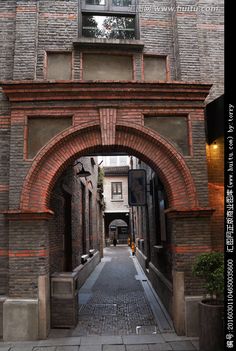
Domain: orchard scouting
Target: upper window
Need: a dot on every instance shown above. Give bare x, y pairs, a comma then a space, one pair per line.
95, 2
109, 19
116, 191
109, 27
110, 5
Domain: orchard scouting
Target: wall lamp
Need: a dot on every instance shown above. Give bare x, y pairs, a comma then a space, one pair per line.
215, 146
82, 173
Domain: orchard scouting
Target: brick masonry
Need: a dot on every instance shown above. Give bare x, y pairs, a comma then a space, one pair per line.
30, 29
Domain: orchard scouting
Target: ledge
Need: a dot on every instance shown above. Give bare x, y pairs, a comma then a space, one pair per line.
189, 212
106, 91
21, 215
110, 44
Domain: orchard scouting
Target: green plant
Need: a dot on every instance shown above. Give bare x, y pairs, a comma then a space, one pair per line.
101, 175
210, 267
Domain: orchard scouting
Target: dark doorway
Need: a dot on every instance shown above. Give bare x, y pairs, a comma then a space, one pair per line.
83, 207
68, 234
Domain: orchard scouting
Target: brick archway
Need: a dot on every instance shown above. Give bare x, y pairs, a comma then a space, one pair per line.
79, 141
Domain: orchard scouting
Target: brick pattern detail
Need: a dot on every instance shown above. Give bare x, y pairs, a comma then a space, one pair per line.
187, 244
28, 258
108, 125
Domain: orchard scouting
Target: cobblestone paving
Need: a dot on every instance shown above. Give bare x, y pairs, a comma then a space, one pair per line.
114, 304
118, 303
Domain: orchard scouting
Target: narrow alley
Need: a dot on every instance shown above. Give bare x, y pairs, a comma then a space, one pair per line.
118, 311
113, 301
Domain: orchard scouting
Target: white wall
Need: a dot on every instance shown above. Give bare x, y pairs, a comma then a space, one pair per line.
116, 205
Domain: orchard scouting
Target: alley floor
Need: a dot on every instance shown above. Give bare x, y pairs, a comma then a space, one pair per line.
112, 301
118, 311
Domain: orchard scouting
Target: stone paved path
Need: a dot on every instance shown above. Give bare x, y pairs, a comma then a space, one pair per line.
116, 302
114, 308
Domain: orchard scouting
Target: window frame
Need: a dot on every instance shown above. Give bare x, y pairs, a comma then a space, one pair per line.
134, 30
109, 10
116, 193
108, 7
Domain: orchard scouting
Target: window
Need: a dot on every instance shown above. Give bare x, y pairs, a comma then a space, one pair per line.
108, 5
116, 191
95, 2
109, 27
109, 19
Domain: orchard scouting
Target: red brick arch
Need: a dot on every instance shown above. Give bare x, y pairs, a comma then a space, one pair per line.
80, 141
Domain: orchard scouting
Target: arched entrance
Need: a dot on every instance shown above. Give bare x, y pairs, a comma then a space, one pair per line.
141, 142
109, 218
117, 127
118, 229
78, 141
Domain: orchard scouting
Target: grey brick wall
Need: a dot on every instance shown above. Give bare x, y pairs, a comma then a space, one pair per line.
187, 36
23, 269
25, 39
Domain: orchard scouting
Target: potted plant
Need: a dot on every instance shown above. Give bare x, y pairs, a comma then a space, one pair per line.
210, 267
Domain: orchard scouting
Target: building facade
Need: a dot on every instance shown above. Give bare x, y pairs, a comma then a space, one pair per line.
85, 77
117, 212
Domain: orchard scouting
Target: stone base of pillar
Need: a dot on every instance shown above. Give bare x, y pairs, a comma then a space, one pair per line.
178, 302
2, 300
20, 319
192, 315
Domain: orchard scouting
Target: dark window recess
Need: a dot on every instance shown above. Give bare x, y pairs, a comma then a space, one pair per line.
173, 128
59, 66
109, 27
116, 191
107, 67
43, 129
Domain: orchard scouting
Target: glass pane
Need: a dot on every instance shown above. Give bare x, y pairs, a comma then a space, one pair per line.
124, 3
95, 2
110, 27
